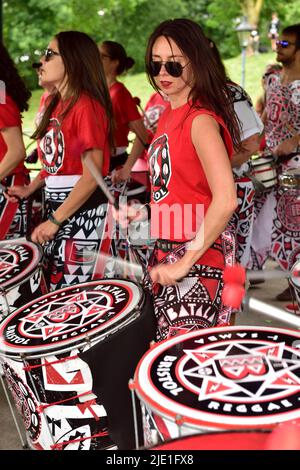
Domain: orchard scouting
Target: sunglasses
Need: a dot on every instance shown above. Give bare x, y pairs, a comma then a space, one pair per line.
174, 69
50, 53
285, 44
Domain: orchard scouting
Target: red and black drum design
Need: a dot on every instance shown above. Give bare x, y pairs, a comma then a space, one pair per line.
218, 379
43, 347
21, 277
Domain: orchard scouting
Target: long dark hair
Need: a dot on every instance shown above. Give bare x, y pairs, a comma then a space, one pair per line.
117, 52
14, 85
84, 69
209, 86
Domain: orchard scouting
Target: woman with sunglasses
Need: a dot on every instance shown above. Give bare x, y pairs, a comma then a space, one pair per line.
193, 192
14, 98
76, 126
126, 114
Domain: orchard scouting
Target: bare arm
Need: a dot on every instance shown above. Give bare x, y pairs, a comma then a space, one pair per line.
15, 150
137, 149
250, 147
82, 190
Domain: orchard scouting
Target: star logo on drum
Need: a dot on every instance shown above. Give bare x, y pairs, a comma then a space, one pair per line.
239, 372
6, 264
66, 315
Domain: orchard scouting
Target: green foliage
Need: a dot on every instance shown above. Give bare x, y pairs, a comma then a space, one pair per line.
30, 24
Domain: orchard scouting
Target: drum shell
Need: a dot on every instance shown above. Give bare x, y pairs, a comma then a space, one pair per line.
56, 408
228, 440
105, 371
264, 170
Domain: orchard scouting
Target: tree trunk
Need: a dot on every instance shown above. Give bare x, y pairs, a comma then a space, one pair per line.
252, 9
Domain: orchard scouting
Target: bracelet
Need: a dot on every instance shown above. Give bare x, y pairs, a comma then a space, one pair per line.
53, 219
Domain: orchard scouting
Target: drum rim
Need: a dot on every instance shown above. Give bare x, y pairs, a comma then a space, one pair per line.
71, 343
21, 278
208, 420
216, 434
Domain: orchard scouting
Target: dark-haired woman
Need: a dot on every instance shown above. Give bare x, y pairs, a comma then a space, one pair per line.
193, 192
77, 125
14, 98
126, 114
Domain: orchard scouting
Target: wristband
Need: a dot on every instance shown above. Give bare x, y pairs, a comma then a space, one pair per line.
53, 219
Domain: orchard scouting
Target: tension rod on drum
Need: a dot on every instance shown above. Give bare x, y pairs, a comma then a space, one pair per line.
132, 391
23, 443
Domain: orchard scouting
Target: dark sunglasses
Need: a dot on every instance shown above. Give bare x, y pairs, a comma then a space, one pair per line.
285, 44
50, 53
174, 69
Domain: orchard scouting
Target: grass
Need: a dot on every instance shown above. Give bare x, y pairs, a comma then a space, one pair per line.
139, 85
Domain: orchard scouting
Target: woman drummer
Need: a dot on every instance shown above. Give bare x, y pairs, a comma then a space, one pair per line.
126, 115
76, 126
14, 100
193, 192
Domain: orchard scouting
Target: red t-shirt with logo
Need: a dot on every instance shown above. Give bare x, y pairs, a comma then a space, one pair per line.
9, 117
125, 110
178, 179
153, 110
84, 127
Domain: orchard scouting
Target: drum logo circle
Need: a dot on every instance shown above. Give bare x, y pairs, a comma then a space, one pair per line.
71, 313
245, 377
288, 211
14, 259
25, 402
67, 315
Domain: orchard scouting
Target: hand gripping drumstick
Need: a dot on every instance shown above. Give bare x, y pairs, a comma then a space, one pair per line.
135, 268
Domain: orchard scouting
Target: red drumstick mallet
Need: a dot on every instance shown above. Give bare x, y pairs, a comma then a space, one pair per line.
234, 278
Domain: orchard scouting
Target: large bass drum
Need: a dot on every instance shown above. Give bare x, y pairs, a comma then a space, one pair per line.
217, 379
67, 359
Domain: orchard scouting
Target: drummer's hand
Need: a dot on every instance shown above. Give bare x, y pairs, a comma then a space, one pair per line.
121, 174
14, 193
169, 274
44, 232
286, 147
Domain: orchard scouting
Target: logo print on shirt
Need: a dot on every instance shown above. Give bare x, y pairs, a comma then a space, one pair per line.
160, 167
53, 148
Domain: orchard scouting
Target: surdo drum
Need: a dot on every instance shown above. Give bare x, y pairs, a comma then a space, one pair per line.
21, 277
264, 170
217, 379
61, 362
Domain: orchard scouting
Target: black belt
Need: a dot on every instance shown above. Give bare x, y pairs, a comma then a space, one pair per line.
167, 245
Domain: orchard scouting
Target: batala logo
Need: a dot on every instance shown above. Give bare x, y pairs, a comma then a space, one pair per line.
240, 374
65, 315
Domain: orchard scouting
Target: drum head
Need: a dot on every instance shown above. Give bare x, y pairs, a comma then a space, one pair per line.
18, 260
238, 377
70, 317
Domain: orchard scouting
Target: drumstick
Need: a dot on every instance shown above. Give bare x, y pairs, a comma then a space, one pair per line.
135, 268
237, 274
272, 311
